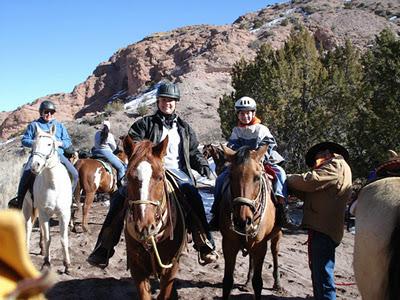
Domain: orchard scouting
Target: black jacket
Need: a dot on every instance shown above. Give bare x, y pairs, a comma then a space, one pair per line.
151, 128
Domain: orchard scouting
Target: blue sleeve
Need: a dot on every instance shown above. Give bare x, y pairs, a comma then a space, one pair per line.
64, 137
29, 135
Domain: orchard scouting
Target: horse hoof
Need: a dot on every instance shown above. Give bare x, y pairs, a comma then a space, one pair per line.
46, 265
277, 288
66, 270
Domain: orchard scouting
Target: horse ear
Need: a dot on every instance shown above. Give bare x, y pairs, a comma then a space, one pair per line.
261, 152
228, 152
53, 129
38, 129
127, 144
161, 149
393, 154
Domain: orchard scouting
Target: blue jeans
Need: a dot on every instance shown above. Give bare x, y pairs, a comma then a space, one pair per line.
71, 170
280, 186
218, 190
114, 161
321, 256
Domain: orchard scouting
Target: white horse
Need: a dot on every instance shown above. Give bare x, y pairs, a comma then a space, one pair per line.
377, 240
52, 193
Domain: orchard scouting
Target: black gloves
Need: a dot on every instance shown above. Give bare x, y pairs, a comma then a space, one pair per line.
205, 171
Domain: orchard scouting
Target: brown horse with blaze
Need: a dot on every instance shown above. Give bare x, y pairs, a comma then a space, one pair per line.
155, 230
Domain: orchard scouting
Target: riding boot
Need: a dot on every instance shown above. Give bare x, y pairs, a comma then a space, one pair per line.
25, 184
198, 225
283, 219
110, 232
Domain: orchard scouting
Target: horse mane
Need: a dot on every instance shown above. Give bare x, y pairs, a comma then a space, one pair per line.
242, 155
140, 151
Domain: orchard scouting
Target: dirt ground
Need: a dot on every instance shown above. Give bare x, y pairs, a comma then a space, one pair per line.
194, 281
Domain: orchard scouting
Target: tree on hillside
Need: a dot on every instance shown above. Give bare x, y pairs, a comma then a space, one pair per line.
378, 128
302, 95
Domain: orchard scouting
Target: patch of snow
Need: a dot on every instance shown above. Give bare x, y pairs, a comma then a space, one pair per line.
147, 98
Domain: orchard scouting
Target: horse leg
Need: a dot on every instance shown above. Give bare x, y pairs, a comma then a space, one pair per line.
64, 220
257, 256
230, 253
45, 228
275, 241
143, 288
88, 203
27, 210
250, 272
75, 210
167, 290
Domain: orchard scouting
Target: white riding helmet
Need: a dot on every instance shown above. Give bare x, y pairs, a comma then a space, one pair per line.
245, 103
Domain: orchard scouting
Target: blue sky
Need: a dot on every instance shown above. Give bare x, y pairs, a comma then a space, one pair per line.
49, 46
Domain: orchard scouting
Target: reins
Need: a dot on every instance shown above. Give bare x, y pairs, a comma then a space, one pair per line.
163, 223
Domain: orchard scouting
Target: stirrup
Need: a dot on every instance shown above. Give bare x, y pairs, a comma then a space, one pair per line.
207, 258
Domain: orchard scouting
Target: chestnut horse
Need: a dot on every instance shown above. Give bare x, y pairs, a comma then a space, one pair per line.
377, 240
247, 217
93, 178
217, 154
155, 231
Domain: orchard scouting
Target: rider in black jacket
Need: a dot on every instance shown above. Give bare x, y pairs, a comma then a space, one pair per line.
182, 156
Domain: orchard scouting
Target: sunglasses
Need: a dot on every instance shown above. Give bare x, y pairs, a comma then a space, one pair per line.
46, 112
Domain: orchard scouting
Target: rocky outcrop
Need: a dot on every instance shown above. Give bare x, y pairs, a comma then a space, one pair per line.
200, 58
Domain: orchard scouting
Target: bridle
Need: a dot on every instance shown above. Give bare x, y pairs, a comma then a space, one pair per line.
164, 221
45, 157
257, 206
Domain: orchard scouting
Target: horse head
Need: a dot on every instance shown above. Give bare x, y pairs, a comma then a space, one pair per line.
247, 184
217, 154
43, 150
146, 193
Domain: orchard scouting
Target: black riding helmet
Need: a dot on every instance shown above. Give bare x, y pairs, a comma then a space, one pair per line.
169, 90
46, 105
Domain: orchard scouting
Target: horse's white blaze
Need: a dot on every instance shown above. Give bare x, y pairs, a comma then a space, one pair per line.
97, 177
144, 173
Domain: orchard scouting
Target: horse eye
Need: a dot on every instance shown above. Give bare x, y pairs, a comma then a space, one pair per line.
257, 178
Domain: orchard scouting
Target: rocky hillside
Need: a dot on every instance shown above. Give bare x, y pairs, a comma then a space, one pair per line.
199, 58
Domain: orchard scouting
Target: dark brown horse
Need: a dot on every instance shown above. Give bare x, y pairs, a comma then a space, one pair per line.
247, 217
94, 178
217, 154
155, 231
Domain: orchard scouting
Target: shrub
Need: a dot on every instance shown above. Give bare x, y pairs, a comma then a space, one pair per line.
142, 109
117, 105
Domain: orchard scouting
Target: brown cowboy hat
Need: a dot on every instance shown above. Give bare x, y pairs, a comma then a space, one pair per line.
331, 146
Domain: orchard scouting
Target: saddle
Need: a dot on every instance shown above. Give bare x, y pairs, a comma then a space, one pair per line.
390, 168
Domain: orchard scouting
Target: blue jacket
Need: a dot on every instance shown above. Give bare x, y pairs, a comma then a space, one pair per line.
61, 133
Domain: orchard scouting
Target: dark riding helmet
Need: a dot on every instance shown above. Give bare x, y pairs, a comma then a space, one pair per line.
46, 105
169, 90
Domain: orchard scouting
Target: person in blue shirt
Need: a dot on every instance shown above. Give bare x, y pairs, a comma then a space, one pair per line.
47, 109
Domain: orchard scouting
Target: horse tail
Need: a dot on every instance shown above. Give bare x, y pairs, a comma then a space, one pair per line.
394, 263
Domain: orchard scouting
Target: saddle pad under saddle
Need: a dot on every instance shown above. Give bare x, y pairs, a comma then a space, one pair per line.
106, 165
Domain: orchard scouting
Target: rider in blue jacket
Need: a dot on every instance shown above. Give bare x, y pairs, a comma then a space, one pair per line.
47, 110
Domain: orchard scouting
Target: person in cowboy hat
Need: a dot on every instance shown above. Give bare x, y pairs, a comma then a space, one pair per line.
325, 190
